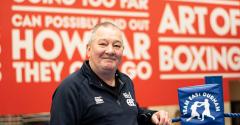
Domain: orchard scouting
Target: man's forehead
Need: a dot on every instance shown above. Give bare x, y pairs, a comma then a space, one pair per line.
109, 32
112, 33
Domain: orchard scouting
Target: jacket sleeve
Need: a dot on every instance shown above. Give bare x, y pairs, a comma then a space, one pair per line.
65, 109
144, 116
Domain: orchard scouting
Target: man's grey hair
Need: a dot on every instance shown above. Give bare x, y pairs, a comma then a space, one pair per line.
104, 24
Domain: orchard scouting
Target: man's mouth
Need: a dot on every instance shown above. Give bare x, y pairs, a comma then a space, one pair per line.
109, 58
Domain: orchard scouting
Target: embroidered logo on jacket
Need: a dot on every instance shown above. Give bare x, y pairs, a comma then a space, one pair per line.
98, 100
130, 100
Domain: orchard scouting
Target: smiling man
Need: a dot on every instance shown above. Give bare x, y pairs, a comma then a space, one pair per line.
98, 93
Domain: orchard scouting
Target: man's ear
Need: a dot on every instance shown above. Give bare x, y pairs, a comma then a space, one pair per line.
88, 48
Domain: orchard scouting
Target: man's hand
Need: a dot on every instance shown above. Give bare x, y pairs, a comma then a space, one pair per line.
161, 118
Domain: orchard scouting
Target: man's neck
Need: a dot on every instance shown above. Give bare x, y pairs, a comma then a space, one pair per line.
108, 77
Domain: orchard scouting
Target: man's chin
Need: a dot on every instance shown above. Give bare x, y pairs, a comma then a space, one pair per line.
109, 61
109, 68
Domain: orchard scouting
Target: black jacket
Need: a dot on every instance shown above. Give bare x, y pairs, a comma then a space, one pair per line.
81, 99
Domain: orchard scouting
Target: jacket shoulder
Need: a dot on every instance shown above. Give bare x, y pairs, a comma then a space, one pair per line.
71, 83
124, 76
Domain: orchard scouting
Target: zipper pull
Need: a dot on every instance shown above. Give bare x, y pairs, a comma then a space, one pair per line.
118, 102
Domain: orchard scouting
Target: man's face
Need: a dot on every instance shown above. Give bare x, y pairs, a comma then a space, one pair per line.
106, 49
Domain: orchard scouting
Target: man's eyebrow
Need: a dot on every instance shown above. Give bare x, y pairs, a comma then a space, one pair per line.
102, 39
117, 41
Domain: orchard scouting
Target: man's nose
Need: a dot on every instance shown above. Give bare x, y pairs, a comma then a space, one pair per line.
110, 49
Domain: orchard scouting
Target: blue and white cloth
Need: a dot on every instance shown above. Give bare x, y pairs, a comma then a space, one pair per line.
201, 105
